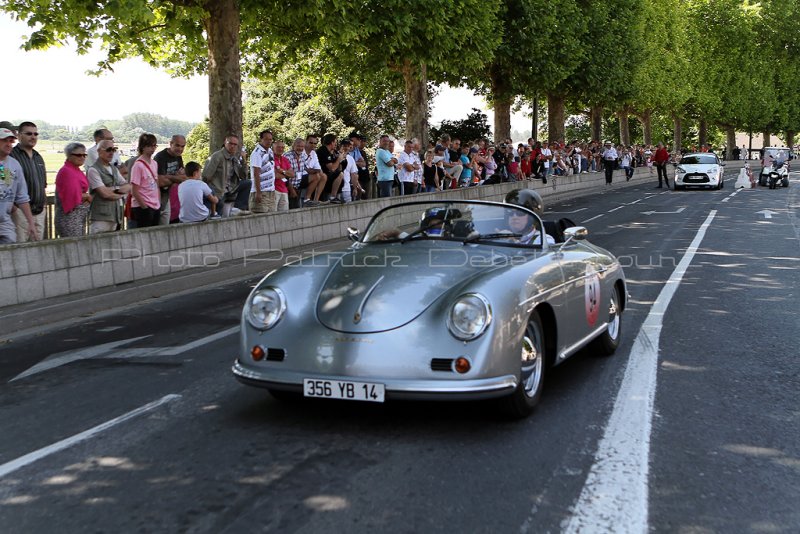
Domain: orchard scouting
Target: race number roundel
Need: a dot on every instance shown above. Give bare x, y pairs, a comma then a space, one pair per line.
592, 295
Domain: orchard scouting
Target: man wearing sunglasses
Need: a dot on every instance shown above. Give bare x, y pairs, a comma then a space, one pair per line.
91, 155
35, 178
108, 189
13, 191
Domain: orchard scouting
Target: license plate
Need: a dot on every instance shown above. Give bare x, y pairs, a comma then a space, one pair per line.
341, 389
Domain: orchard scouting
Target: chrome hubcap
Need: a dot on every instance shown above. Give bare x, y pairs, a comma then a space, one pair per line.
531, 374
613, 319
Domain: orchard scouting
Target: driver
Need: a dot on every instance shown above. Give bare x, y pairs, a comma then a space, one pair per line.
519, 222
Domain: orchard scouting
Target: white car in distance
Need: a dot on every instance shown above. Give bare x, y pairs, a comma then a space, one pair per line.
699, 169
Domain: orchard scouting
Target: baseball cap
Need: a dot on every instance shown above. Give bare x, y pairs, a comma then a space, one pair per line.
473, 150
6, 133
439, 148
9, 126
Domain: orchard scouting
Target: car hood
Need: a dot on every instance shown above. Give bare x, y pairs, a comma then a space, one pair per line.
382, 287
704, 168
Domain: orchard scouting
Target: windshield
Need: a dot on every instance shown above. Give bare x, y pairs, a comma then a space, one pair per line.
699, 159
502, 224
778, 154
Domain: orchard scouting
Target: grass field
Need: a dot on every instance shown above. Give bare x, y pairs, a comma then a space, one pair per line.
53, 154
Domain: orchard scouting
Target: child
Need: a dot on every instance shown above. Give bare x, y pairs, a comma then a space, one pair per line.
196, 197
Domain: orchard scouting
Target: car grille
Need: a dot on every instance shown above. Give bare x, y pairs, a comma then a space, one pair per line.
275, 355
696, 179
442, 364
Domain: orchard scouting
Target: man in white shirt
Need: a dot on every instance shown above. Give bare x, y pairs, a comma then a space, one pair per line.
91, 154
547, 157
408, 164
350, 177
262, 174
316, 178
610, 157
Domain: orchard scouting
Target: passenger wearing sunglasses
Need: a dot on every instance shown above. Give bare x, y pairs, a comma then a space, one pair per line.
109, 188
35, 178
72, 193
91, 155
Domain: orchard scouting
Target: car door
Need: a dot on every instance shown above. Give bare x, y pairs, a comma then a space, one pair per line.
584, 271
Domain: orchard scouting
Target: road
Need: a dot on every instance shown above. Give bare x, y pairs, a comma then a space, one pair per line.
720, 449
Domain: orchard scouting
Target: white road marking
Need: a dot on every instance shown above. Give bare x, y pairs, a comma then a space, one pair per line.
63, 358
13, 465
663, 212
112, 351
767, 213
615, 495
593, 218
109, 328
615, 209
172, 351
634, 202
731, 195
568, 212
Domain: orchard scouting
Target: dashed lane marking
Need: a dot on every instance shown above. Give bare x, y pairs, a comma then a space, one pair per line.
593, 218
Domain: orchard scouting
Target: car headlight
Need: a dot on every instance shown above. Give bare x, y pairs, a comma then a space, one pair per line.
680, 170
712, 170
469, 316
265, 307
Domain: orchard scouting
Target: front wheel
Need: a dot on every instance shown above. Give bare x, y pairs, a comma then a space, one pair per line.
532, 369
606, 343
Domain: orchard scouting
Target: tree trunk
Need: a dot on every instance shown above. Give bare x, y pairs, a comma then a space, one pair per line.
730, 141
702, 133
224, 73
766, 139
555, 117
647, 126
596, 120
790, 138
501, 102
535, 118
624, 128
416, 80
676, 137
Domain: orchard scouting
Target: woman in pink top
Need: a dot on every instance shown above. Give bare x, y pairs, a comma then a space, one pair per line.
146, 202
72, 193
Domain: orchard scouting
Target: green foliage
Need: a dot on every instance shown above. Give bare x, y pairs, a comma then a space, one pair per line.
197, 143
474, 127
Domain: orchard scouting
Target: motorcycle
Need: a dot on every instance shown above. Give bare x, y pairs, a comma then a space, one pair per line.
772, 175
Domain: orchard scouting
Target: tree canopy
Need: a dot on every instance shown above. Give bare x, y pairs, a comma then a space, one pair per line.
728, 64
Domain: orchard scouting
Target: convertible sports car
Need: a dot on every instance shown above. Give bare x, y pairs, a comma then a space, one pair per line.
437, 300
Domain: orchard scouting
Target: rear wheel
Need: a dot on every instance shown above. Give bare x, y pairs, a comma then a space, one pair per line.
532, 369
606, 343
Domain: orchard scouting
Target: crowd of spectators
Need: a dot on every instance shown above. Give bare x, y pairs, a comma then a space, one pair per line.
97, 192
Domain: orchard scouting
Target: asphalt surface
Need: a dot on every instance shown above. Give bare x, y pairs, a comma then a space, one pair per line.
217, 456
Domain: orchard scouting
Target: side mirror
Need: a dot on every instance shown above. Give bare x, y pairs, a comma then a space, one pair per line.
575, 233
353, 234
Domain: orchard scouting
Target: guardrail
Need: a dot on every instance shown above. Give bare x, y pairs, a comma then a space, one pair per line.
33, 271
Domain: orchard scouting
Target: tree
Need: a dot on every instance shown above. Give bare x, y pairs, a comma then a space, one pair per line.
474, 127
413, 41
185, 37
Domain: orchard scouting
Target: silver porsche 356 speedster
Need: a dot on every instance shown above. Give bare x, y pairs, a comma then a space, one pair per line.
436, 300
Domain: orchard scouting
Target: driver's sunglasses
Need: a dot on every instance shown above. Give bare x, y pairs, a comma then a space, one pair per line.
517, 214
110, 149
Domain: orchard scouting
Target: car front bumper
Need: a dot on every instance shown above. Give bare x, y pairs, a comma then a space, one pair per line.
697, 180
408, 389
